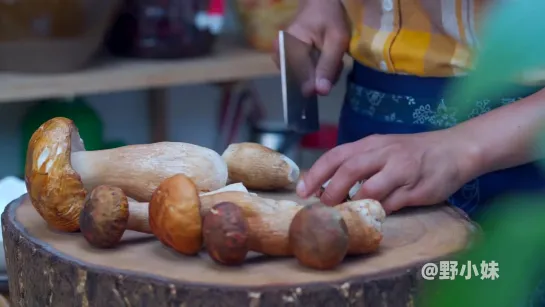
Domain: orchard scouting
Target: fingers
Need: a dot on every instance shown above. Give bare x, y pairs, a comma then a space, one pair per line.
323, 169
327, 70
419, 193
396, 200
382, 184
378, 187
340, 70
349, 172
307, 88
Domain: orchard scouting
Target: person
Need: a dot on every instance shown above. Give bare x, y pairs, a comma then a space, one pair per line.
397, 133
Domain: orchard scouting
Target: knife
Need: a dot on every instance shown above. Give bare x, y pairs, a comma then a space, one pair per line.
298, 69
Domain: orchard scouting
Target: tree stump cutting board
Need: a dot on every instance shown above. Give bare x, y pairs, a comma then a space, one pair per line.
49, 268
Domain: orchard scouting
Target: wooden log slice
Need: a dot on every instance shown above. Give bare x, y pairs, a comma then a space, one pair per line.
48, 268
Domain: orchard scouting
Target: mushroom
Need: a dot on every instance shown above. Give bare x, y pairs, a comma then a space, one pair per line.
59, 171
259, 167
174, 215
225, 232
318, 236
269, 221
108, 212
106, 215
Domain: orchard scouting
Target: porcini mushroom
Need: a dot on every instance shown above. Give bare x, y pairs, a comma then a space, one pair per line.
318, 236
108, 212
225, 233
59, 171
106, 215
259, 167
269, 221
174, 215
364, 219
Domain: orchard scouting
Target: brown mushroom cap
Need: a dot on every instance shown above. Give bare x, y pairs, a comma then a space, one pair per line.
174, 214
318, 236
105, 216
55, 189
226, 234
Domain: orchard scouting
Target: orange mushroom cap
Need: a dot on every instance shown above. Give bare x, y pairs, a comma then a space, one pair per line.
55, 189
174, 215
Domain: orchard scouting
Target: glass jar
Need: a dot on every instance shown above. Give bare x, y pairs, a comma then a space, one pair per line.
262, 19
163, 29
33, 19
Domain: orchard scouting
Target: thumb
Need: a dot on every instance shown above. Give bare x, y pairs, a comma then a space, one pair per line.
329, 62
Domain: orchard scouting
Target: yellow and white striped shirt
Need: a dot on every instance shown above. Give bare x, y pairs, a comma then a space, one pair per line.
417, 37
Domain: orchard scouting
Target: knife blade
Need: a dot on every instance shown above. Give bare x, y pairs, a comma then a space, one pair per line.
298, 69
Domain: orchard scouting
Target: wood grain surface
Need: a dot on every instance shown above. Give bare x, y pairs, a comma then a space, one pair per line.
48, 268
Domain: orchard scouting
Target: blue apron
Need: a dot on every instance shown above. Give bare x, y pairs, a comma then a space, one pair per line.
380, 103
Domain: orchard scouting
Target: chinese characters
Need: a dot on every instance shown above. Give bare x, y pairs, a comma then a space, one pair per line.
450, 270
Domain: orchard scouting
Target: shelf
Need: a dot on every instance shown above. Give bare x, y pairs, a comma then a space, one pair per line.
228, 62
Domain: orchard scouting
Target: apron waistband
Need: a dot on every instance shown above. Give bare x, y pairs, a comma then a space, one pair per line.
410, 85
407, 85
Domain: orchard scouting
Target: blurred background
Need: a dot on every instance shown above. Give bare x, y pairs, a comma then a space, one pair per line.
46, 44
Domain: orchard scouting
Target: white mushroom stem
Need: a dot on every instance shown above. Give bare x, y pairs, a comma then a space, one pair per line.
138, 217
139, 169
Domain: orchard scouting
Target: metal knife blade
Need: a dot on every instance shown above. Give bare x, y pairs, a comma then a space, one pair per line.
298, 68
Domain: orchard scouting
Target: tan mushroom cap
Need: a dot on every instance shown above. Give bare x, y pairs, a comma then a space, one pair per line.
259, 167
55, 189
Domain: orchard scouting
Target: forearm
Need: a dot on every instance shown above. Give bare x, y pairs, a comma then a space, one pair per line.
506, 136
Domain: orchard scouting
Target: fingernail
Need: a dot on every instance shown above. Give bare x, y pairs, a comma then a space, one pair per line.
323, 85
301, 190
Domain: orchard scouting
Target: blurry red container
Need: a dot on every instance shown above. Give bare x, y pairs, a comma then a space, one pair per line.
314, 145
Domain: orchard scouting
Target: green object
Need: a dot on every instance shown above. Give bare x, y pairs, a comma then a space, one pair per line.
86, 119
511, 44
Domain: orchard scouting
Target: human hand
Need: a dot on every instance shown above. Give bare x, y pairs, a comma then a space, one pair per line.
322, 23
399, 170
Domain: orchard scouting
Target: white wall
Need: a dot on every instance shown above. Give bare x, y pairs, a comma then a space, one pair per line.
192, 115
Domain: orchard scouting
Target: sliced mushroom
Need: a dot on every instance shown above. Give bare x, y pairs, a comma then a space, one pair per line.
59, 171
